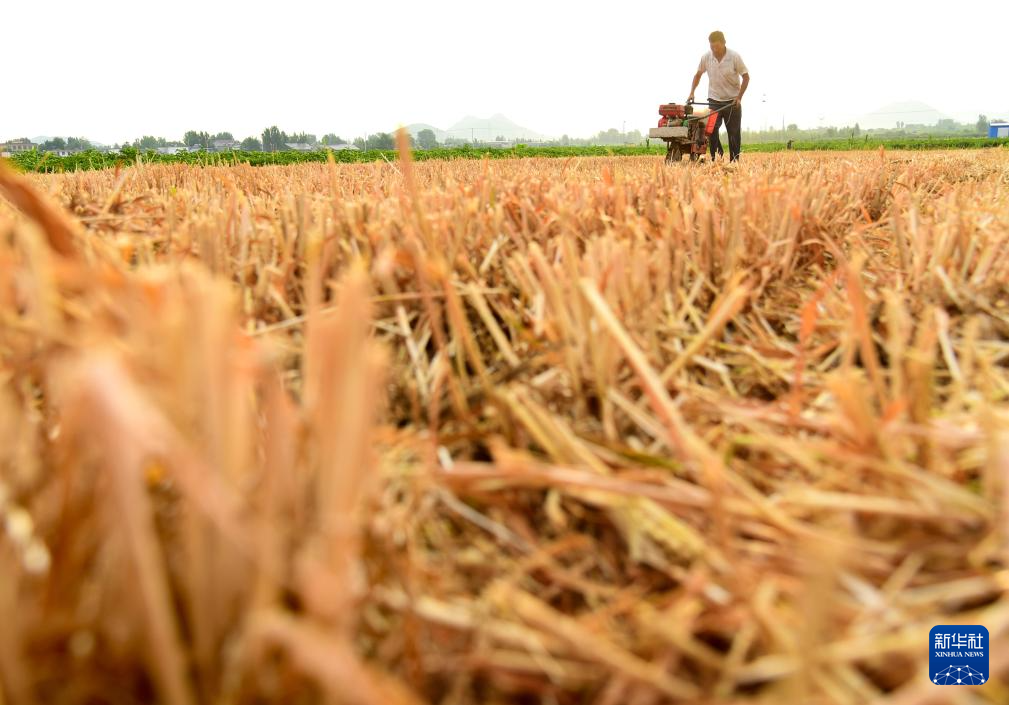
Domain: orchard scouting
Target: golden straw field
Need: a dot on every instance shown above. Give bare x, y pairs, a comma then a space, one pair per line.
593, 430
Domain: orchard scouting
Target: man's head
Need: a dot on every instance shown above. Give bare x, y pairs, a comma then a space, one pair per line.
716, 40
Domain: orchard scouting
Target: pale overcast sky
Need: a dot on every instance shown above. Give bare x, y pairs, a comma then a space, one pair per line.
113, 70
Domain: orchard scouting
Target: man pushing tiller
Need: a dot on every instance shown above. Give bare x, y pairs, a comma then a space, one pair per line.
725, 93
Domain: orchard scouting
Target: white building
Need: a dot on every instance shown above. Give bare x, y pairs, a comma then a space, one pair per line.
998, 129
225, 145
14, 146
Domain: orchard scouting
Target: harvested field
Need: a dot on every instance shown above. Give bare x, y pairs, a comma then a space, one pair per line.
590, 430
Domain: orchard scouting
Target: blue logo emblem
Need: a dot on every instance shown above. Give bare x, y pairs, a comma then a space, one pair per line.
958, 655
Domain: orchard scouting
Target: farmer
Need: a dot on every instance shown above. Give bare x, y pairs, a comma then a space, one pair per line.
725, 94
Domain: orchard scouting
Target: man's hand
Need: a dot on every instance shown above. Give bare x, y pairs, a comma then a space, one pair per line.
742, 89
693, 86
737, 101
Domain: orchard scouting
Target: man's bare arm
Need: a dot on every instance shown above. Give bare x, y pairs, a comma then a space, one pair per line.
742, 88
693, 86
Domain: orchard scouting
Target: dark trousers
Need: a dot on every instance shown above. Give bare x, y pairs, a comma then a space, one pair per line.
732, 116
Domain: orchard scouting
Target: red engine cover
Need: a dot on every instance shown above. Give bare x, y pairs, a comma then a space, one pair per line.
710, 127
672, 110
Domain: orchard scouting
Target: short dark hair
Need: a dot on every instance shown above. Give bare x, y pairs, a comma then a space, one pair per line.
716, 36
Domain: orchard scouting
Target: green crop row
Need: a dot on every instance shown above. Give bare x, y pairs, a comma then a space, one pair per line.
83, 161
871, 144
34, 161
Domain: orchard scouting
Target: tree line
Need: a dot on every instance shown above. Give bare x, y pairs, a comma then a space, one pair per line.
74, 143
942, 128
273, 139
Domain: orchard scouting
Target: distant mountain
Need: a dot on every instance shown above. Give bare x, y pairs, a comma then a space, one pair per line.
487, 129
480, 129
908, 112
416, 127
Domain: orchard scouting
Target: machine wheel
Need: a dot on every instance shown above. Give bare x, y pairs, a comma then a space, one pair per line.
673, 153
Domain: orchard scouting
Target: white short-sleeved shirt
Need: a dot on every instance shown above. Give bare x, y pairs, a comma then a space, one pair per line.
723, 76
